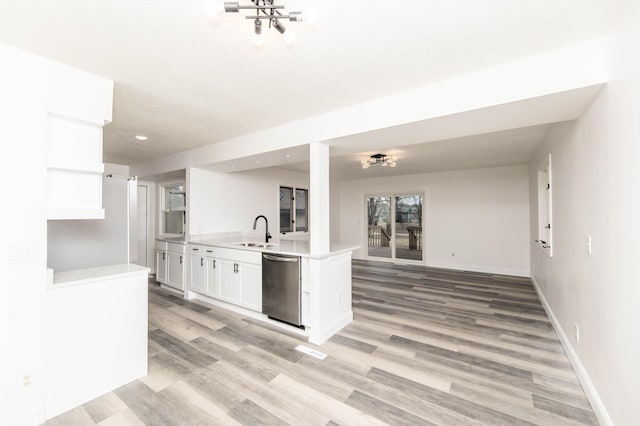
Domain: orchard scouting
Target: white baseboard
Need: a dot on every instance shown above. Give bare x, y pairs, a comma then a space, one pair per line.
318, 337
592, 394
478, 268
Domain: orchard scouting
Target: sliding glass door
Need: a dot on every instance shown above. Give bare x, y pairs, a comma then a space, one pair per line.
394, 226
379, 226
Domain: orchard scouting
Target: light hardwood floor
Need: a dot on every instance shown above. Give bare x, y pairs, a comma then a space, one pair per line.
427, 346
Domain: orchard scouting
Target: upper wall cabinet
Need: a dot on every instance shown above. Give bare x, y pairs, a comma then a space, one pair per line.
78, 105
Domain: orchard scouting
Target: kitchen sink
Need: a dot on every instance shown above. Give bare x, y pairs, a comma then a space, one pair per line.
260, 245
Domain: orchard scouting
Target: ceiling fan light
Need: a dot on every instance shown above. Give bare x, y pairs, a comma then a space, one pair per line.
257, 26
295, 16
366, 165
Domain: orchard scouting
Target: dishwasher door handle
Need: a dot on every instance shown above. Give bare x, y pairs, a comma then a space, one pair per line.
280, 259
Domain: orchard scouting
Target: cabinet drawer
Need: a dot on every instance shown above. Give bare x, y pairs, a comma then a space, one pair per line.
161, 245
246, 256
196, 249
175, 247
200, 250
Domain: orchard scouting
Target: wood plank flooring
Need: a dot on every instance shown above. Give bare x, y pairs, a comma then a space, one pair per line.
427, 346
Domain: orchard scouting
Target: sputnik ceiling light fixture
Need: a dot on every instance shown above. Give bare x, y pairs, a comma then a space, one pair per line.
265, 10
378, 160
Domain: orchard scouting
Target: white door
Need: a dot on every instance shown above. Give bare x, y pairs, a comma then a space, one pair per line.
142, 226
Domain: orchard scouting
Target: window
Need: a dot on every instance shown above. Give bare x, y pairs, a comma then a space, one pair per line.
173, 209
544, 206
294, 210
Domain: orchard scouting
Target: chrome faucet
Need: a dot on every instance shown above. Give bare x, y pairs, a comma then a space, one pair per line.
267, 235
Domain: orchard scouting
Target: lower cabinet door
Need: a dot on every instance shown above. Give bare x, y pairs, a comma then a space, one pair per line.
228, 283
161, 266
213, 280
175, 270
197, 273
250, 286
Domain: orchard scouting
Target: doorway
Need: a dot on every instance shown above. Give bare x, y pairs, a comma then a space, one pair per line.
394, 226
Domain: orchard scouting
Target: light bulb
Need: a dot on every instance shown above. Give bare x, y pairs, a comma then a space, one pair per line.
258, 40
289, 37
311, 16
213, 9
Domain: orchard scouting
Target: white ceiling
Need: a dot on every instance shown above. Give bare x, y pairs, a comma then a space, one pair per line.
186, 83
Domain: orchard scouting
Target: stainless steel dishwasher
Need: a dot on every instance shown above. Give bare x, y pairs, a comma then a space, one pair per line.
281, 294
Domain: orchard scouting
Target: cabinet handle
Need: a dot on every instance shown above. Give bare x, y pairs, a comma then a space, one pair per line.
202, 261
195, 249
214, 264
181, 260
164, 254
209, 251
235, 268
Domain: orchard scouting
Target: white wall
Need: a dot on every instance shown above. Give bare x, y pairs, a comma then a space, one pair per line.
481, 215
79, 244
596, 182
229, 202
23, 247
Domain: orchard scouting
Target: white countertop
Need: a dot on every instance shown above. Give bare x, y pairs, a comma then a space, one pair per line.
287, 247
178, 240
100, 273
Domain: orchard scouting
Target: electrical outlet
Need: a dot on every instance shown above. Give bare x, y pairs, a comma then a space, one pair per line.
26, 380
576, 332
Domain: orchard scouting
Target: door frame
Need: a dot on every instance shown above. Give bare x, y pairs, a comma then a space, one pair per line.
392, 242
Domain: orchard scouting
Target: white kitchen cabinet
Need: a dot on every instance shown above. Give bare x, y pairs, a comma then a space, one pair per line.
213, 277
80, 104
197, 273
249, 277
161, 266
234, 276
229, 290
170, 264
240, 277
175, 270
202, 270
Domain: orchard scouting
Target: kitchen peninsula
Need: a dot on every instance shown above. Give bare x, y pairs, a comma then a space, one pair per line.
227, 272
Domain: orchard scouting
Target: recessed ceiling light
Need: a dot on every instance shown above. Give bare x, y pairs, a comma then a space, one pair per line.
287, 156
257, 161
141, 137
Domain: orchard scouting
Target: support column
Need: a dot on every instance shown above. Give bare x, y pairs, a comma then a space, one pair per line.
319, 226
